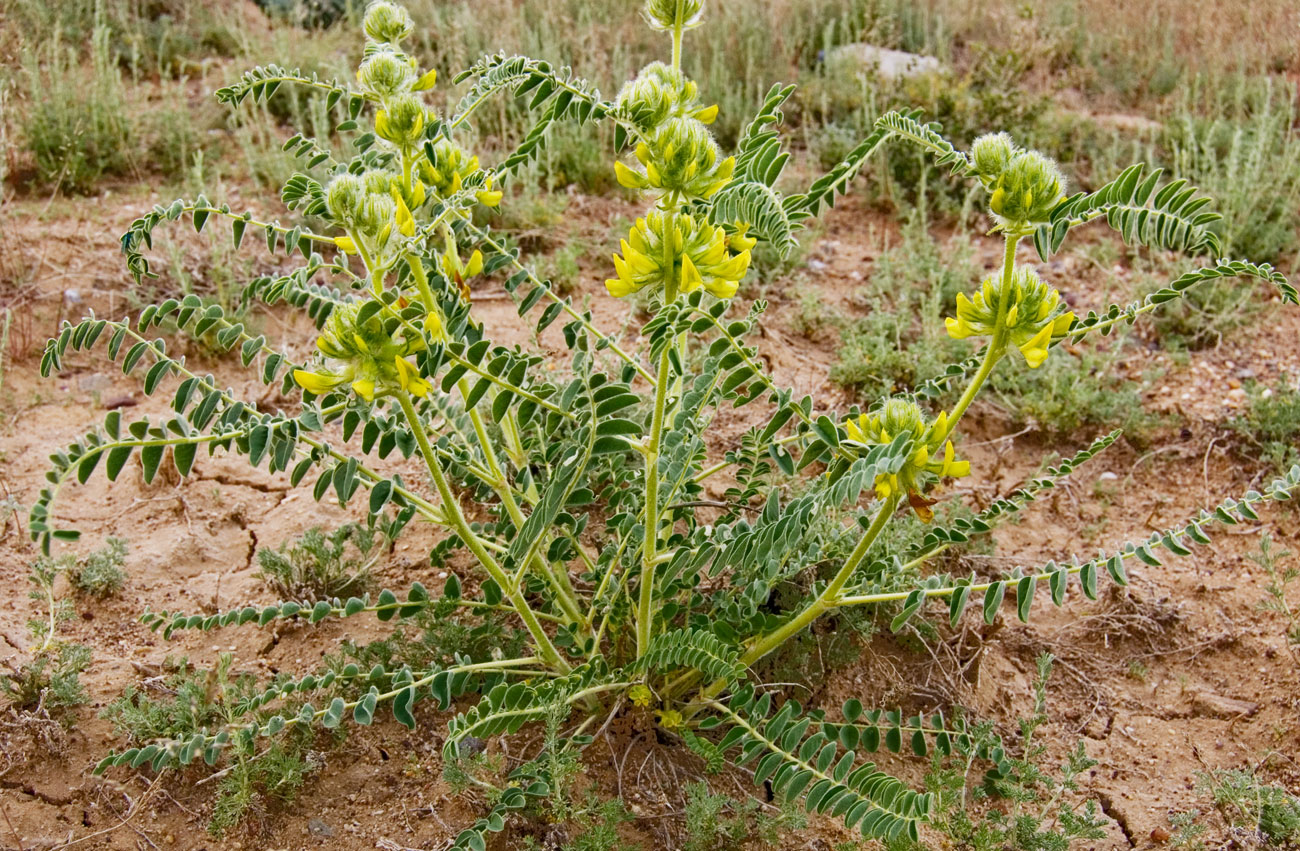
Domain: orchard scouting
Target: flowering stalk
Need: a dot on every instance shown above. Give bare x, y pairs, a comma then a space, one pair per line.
997, 346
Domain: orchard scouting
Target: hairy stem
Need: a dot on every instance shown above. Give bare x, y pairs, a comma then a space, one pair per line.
644, 613
558, 580
451, 508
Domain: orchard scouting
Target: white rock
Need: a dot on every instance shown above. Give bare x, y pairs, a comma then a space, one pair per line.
887, 64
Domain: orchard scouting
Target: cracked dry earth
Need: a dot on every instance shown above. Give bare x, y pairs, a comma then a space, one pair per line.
1179, 673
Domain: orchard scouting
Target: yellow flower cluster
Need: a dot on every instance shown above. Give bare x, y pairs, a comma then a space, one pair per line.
363, 355
659, 93
679, 159
1032, 313
696, 250
932, 452
448, 169
375, 212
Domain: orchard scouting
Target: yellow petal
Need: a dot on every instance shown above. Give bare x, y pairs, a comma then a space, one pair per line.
365, 389
428, 81
690, 275
489, 199
314, 382
475, 265
707, 114
957, 329
721, 287
345, 244
627, 177
619, 288
1035, 350
855, 432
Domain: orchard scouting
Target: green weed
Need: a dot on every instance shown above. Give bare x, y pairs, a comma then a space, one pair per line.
320, 565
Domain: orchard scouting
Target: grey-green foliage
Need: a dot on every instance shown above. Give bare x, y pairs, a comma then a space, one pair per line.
76, 132
564, 465
101, 573
318, 564
51, 679
1269, 426
1040, 807
1270, 814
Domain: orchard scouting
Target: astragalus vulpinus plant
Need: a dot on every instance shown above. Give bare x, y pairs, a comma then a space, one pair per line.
570, 492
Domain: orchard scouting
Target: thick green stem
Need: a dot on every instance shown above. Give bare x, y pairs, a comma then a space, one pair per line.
451, 508
828, 599
557, 579
678, 28
644, 610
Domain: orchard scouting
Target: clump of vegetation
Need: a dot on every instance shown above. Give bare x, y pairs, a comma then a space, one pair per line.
318, 565
1270, 425
76, 132
1254, 813
182, 702
900, 340
569, 491
100, 574
51, 679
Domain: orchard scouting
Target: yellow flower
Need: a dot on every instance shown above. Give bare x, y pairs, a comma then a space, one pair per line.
697, 251
680, 157
1033, 313
640, 695
904, 416
671, 719
426, 82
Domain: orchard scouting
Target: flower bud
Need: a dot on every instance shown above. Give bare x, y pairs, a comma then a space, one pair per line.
991, 153
658, 93
666, 14
1027, 189
697, 250
1031, 310
402, 122
386, 74
681, 157
343, 198
388, 23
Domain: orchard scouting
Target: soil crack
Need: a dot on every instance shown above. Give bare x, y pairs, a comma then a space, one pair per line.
1108, 807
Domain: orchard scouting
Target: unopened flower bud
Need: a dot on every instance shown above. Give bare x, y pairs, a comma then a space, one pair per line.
388, 23
668, 14
386, 74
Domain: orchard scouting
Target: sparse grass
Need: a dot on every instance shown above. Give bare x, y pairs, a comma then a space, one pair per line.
1074, 390
900, 341
1281, 573
76, 132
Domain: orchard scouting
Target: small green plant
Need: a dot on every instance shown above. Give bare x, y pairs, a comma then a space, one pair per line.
101, 574
1270, 814
1279, 580
568, 488
1269, 428
51, 678
1042, 811
317, 564
715, 821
